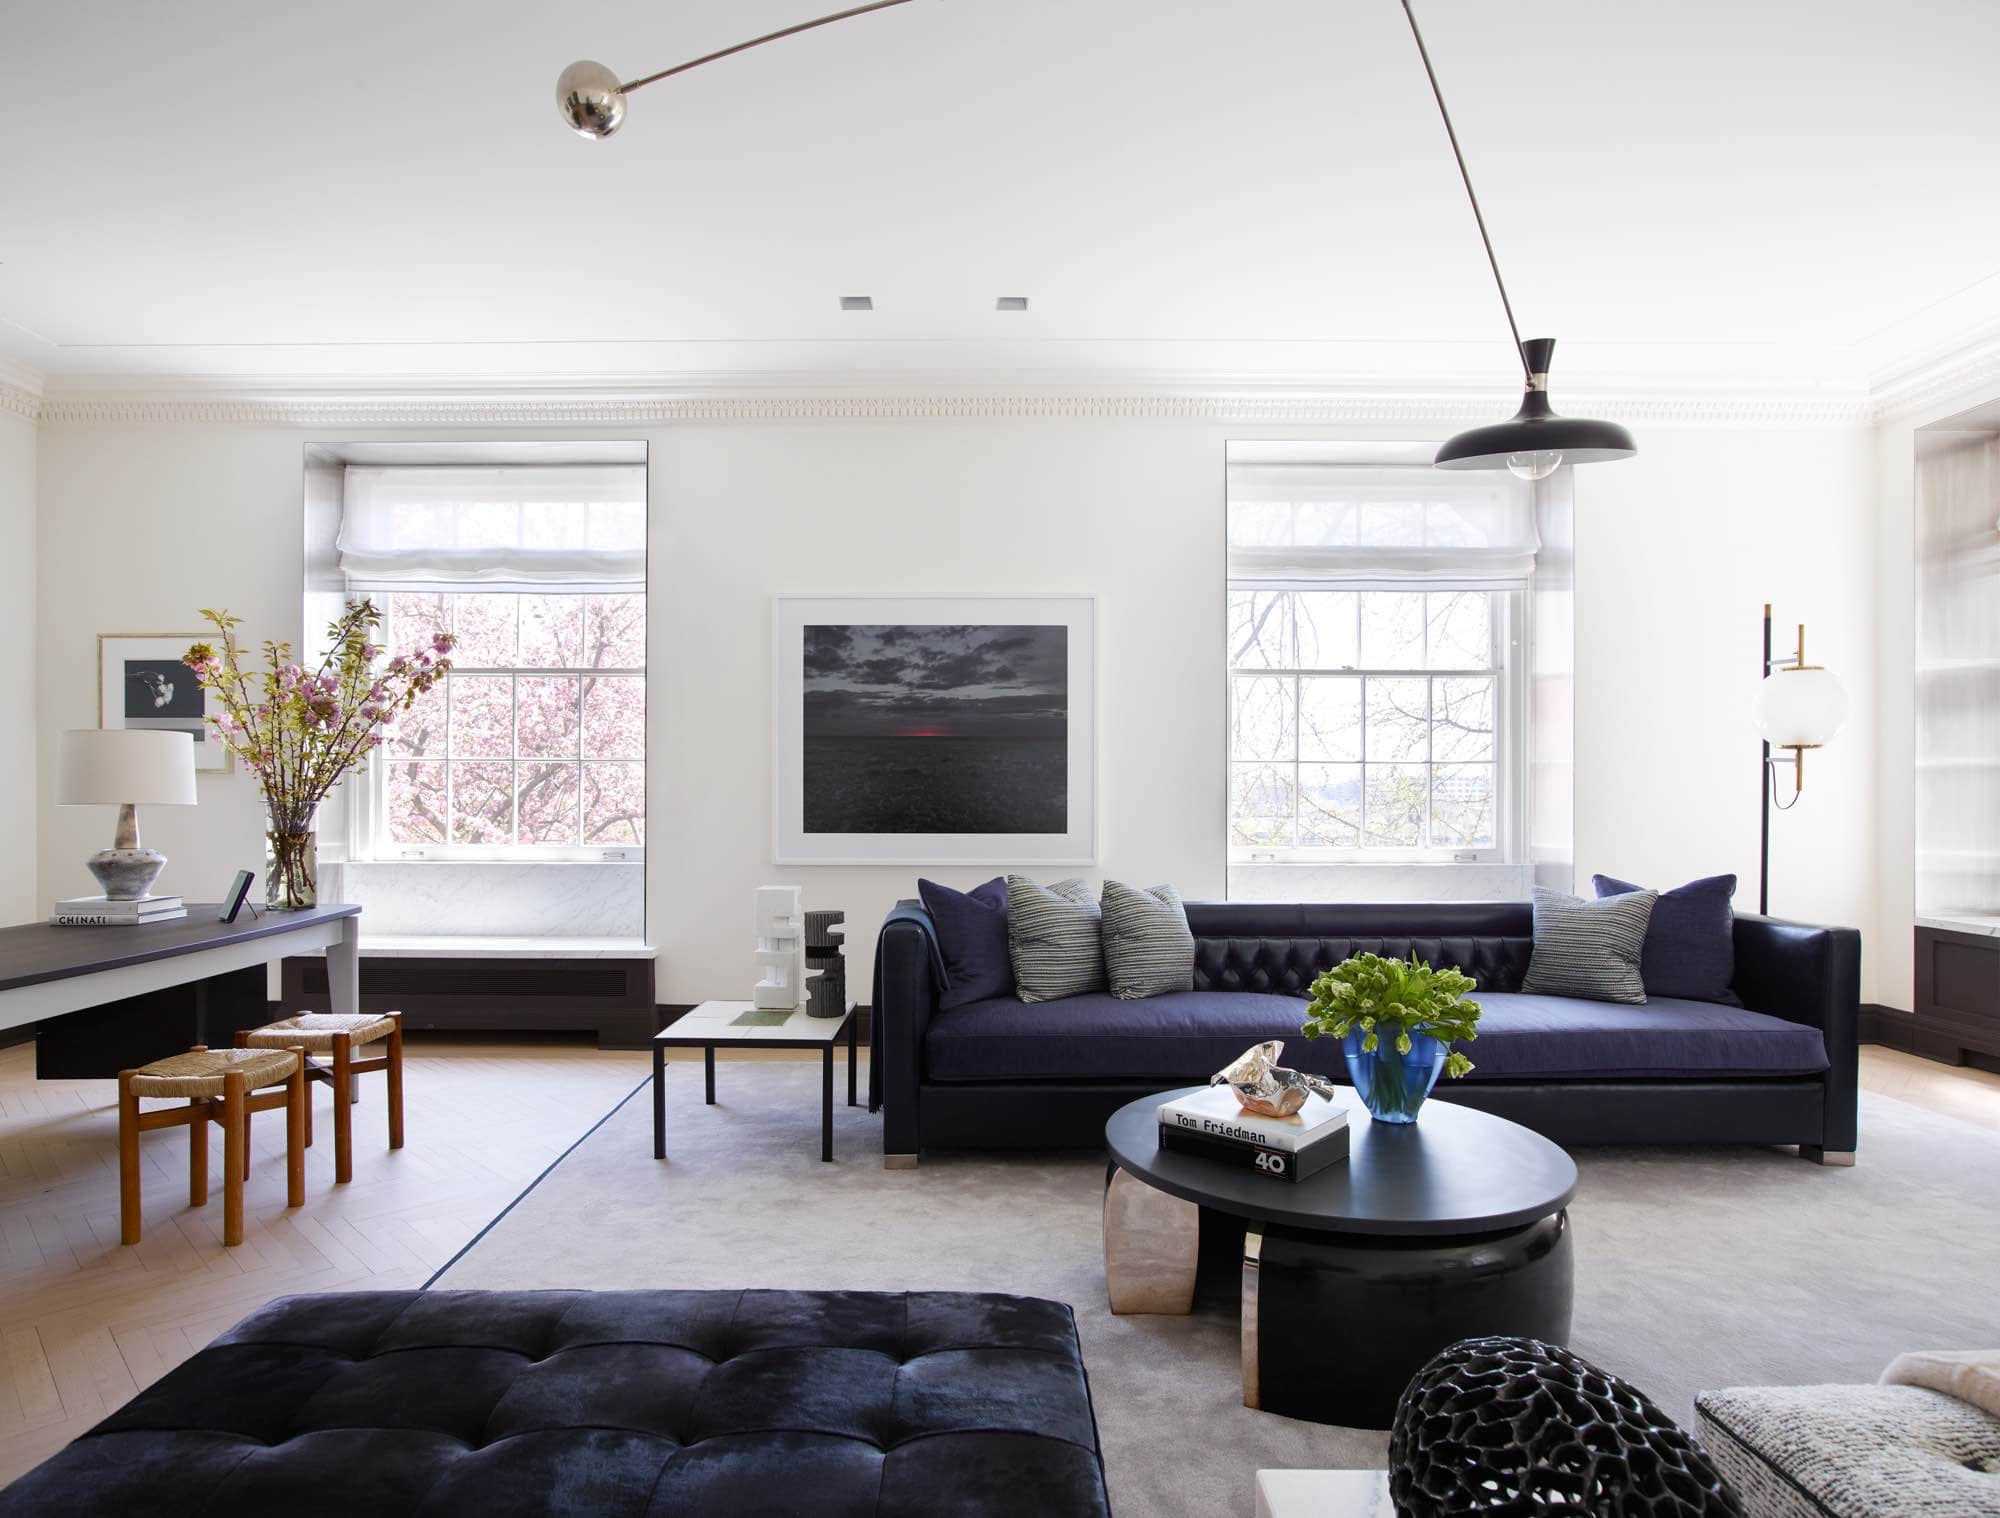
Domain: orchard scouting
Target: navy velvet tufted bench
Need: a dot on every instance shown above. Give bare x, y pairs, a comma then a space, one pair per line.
616, 1402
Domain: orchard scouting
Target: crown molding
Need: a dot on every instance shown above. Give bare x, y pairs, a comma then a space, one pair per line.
719, 399
20, 400
1963, 374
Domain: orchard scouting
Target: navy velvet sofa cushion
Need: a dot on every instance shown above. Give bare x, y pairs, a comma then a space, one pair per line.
1185, 1036
971, 930
836, 1404
1690, 949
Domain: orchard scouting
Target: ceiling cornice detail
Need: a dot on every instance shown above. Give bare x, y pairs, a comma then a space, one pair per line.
828, 402
21, 401
1967, 371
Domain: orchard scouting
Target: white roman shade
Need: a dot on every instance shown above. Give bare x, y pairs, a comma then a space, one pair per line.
1380, 523
501, 527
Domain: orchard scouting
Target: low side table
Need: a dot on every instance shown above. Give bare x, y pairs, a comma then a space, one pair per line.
743, 1024
1324, 1494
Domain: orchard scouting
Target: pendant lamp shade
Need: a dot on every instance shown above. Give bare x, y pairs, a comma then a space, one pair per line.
1535, 441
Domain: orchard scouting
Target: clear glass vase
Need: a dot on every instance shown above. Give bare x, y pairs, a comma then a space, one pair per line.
291, 864
1393, 1086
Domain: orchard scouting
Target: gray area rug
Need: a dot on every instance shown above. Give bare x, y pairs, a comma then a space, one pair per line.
1695, 1268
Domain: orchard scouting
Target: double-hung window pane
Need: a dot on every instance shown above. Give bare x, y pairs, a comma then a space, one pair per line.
1363, 720
537, 737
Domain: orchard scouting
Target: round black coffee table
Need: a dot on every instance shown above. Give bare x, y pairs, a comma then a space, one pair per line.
1445, 1229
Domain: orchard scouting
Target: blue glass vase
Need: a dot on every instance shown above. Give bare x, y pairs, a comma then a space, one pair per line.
1393, 1086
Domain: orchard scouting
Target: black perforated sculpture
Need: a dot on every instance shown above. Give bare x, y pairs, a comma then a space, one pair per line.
1519, 1427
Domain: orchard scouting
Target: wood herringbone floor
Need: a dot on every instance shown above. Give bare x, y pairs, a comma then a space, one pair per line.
85, 1323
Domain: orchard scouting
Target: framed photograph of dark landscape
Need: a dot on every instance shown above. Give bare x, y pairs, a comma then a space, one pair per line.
934, 730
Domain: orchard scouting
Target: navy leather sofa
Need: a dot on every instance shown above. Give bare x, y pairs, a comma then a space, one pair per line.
1780, 1069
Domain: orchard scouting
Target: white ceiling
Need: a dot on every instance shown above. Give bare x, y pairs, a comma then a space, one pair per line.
1790, 192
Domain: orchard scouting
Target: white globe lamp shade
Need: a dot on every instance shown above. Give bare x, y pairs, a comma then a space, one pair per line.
1799, 708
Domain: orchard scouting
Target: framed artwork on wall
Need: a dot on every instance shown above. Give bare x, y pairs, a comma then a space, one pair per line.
141, 682
934, 730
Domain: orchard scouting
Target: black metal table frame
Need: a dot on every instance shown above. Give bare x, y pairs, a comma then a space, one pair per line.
667, 1040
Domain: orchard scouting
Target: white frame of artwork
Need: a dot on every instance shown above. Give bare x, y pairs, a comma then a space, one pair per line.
113, 649
791, 844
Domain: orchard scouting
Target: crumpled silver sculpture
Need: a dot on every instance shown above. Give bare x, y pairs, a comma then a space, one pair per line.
1266, 1087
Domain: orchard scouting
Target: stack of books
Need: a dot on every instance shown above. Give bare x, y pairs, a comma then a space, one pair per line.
102, 911
1213, 1124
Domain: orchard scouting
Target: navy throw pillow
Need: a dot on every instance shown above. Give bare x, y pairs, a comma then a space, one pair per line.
1690, 948
972, 937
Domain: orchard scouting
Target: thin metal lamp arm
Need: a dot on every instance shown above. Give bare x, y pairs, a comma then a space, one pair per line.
790, 31
1465, 176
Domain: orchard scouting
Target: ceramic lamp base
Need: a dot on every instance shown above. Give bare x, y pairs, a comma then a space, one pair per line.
126, 874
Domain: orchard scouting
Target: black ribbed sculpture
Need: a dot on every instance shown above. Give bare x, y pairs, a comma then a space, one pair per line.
1519, 1427
826, 992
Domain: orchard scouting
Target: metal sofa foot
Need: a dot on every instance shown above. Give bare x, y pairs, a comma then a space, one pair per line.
899, 1162
1821, 1156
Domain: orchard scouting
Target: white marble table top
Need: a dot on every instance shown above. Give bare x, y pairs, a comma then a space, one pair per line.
716, 1021
1324, 1494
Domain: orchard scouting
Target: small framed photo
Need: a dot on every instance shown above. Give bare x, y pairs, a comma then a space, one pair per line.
934, 729
141, 682
239, 890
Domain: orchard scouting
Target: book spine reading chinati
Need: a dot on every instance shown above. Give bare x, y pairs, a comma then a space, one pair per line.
1279, 1164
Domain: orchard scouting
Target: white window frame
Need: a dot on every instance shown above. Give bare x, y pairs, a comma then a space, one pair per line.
371, 842
1512, 608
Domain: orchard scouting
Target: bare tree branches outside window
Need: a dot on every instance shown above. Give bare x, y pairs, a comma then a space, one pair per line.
1363, 720
542, 742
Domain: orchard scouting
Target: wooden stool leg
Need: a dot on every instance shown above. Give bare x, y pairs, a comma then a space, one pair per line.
198, 1152
309, 1104
295, 1131
233, 1150
247, 1114
343, 1116
128, 1160
396, 1082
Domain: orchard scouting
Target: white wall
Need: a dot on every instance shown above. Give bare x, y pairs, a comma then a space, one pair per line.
19, 899
1677, 551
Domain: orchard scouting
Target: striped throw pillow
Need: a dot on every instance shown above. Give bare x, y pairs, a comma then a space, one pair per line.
1054, 939
1589, 949
1148, 946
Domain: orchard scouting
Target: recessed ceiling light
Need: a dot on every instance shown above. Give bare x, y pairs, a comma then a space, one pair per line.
1011, 303
857, 303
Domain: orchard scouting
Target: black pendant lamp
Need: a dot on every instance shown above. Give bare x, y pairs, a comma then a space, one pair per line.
1535, 441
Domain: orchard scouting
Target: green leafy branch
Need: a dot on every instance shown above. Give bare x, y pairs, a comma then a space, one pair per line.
1395, 998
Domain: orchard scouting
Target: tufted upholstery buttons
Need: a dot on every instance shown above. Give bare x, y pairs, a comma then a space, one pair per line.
1287, 966
632, 1402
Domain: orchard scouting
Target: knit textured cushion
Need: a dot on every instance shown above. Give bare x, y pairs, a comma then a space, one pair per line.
200, 1073
1590, 949
315, 1031
1054, 937
1148, 948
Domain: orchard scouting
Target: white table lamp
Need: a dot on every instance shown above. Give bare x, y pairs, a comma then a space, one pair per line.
124, 767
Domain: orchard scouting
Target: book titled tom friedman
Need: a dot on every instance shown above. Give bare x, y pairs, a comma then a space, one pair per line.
1212, 1123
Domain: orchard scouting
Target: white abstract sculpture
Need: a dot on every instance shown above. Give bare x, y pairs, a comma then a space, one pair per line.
781, 948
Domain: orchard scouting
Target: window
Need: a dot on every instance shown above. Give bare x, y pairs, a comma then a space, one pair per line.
1380, 614
534, 746
1367, 723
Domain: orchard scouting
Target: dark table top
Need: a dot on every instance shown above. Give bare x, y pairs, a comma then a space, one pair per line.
1454, 1171
39, 951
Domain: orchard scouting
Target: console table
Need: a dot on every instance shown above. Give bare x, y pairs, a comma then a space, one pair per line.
106, 999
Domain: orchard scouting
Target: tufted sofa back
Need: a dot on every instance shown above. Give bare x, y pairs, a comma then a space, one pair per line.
1280, 946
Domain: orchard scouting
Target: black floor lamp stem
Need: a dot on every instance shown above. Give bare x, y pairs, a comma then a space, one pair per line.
1765, 782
